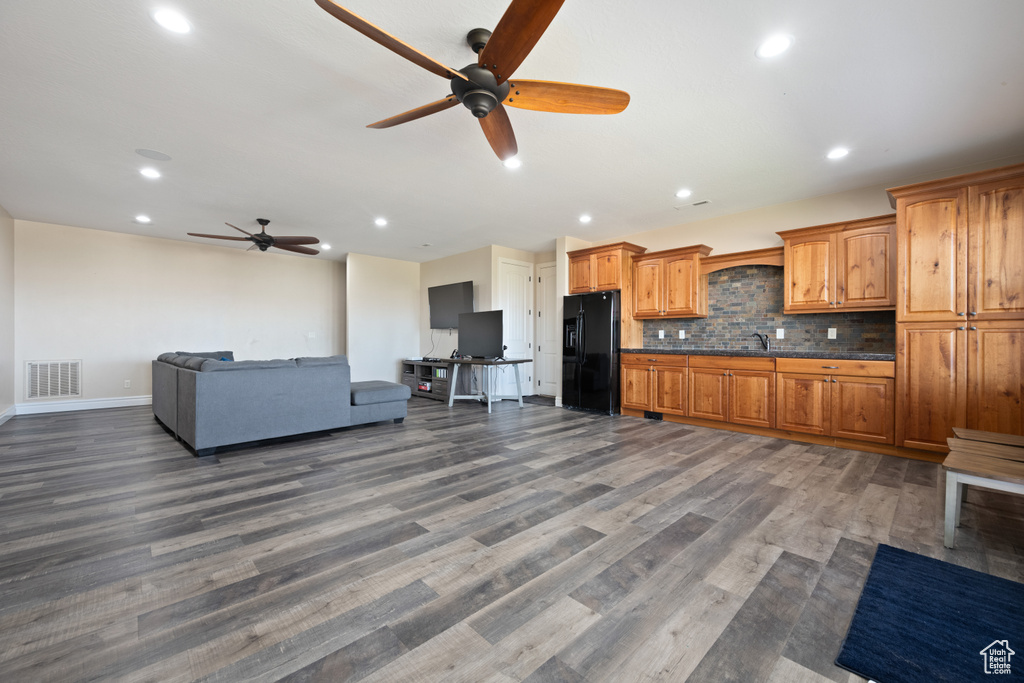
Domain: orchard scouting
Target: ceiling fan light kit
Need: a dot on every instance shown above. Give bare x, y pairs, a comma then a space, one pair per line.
483, 88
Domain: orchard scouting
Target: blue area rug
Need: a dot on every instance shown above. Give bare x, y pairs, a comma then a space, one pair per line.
924, 620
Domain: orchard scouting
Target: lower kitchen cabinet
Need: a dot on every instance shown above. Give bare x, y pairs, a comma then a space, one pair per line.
654, 383
843, 399
740, 390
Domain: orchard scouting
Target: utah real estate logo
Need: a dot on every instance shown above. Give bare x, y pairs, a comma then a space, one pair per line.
997, 657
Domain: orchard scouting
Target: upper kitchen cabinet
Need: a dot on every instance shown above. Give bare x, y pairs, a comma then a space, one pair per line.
845, 266
669, 284
961, 248
602, 268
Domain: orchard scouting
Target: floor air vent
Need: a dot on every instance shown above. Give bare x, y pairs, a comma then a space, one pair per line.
53, 379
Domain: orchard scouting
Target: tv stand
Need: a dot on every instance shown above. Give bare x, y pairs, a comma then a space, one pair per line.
435, 374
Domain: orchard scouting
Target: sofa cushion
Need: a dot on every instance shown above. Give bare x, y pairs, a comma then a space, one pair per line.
212, 365
193, 362
308, 361
167, 357
216, 355
378, 391
181, 361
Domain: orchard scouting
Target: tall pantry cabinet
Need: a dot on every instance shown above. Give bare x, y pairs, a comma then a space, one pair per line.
960, 306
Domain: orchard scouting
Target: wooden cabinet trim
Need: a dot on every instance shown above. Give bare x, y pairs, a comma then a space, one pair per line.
954, 182
604, 248
733, 363
825, 366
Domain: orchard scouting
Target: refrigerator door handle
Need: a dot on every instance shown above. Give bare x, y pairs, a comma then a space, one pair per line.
582, 335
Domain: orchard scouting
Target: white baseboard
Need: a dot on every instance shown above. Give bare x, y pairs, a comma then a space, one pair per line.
86, 404
7, 414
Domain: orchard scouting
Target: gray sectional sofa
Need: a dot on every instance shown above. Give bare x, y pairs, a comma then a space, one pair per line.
208, 399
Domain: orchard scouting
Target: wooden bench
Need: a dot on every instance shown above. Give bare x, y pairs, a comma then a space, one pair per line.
986, 459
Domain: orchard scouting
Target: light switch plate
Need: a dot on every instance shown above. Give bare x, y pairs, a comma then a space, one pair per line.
661, 334
831, 333
682, 334
780, 333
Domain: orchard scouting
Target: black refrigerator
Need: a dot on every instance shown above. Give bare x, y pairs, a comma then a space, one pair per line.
590, 352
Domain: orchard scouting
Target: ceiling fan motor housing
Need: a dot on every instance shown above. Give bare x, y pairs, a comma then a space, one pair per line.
482, 93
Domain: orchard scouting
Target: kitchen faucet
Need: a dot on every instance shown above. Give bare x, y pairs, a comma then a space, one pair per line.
764, 340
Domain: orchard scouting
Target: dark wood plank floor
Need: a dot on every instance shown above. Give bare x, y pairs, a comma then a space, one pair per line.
534, 544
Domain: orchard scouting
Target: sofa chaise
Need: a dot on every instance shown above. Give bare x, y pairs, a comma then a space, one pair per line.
208, 399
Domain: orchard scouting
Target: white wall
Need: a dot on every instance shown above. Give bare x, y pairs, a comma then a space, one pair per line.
116, 301
383, 315
472, 265
6, 315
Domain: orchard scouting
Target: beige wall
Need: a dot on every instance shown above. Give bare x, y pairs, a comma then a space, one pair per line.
116, 301
6, 315
383, 315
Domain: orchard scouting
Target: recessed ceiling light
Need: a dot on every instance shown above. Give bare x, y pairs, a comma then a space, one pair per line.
325, 246
514, 162
838, 153
774, 46
142, 218
153, 154
684, 193
380, 222
172, 20
585, 218
149, 172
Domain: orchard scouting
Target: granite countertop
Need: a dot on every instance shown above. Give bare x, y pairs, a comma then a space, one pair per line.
837, 355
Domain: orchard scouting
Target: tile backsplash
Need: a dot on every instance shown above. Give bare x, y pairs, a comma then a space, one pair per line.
748, 299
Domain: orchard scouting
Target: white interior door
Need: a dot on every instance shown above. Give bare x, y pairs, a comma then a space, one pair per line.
515, 297
548, 349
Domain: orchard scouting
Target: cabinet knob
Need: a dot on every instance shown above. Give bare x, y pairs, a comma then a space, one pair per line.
831, 303
839, 303
825, 380
973, 327
973, 313
833, 381
961, 328
961, 313
725, 373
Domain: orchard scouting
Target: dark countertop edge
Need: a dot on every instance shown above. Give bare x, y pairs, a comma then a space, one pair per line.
838, 355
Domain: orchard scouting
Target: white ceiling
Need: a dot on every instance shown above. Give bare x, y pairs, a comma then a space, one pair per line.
263, 109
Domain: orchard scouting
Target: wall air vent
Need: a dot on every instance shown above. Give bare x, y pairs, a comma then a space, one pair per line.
53, 379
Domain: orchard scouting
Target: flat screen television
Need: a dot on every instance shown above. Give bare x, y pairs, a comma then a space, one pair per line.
480, 335
447, 302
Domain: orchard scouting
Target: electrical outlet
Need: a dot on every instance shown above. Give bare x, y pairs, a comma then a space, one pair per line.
831, 333
780, 333
127, 384
682, 334
661, 334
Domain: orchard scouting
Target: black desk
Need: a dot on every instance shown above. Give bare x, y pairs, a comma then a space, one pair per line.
488, 365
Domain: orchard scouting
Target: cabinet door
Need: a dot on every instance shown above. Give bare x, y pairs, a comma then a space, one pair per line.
931, 364
995, 254
863, 408
866, 268
636, 386
647, 289
995, 374
579, 275
607, 271
681, 275
670, 390
752, 398
808, 273
931, 258
803, 403
709, 393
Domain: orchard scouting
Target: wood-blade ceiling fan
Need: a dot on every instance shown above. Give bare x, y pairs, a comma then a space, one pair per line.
263, 241
485, 87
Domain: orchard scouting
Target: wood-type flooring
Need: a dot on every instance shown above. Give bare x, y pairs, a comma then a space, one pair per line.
532, 544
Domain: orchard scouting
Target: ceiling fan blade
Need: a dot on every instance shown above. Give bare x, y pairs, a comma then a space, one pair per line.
296, 240
387, 40
566, 98
238, 229
522, 25
498, 130
254, 246
417, 113
297, 250
219, 237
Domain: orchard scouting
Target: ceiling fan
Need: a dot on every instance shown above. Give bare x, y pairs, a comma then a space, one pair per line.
263, 241
484, 87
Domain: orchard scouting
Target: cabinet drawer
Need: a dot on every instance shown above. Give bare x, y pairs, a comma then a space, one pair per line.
673, 360
826, 366
733, 362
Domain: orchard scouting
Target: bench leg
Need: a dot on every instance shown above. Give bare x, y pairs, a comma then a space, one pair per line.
953, 492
